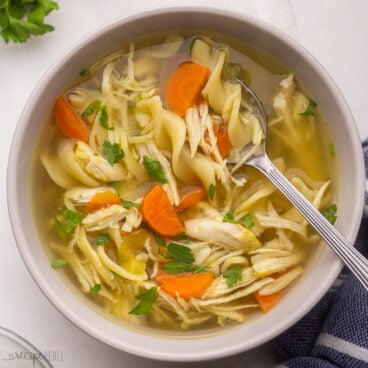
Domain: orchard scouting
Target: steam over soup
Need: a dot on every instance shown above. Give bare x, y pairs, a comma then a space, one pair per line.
139, 203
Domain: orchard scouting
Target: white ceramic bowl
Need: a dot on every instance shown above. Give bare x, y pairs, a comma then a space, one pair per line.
308, 289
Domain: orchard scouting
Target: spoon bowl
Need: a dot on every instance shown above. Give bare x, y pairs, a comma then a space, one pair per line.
259, 159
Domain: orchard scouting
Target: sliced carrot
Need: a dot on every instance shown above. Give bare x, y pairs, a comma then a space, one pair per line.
189, 196
266, 302
102, 199
223, 142
159, 213
184, 85
187, 285
68, 120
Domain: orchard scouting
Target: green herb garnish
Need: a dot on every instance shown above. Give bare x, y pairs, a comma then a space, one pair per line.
69, 220
102, 239
332, 149
96, 288
154, 169
229, 217
116, 185
91, 109
104, 118
248, 221
59, 263
180, 252
233, 276
128, 204
211, 191
177, 267
146, 300
112, 152
330, 213
21, 19
159, 240
310, 109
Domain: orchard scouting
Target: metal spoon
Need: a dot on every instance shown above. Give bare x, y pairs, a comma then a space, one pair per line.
354, 260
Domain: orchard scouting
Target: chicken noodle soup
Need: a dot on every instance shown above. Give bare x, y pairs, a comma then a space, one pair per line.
140, 204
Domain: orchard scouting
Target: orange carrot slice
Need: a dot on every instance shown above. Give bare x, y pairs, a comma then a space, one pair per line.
68, 121
102, 199
160, 214
187, 285
223, 142
266, 302
189, 196
184, 85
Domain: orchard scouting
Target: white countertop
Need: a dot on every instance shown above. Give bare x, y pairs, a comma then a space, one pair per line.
334, 31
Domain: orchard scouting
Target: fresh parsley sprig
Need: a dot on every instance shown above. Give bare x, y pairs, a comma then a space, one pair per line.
330, 213
21, 19
310, 109
246, 220
154, 169
67, 222
233, 276
146, 301
112, 152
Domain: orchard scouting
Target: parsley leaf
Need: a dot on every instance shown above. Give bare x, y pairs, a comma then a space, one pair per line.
330, 213
92, 108
332, 149
70, 220
154, 169
104, 118
128, 204
180, 252
19, 20
310, 109
248, 221
146, 300
116, 185
159, 240
58, 263
96, 288
233, 276
102, 239
112, 152
229, 217
211, 191
177, 267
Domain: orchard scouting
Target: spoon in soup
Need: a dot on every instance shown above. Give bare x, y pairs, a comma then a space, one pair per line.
353, 259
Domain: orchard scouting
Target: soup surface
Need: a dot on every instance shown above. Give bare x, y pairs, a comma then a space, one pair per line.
137, 200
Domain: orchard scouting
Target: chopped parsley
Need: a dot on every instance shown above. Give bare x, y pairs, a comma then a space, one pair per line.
159, 240
154, 169
177, 267
104, 118
68, 222
128, 204
180, 252
183, 259
246, 221
146, 301
92, 109
310, 109
233, 276
116, 185
211, 191
330, 213
102, 239
112, 152
59, 263
332, 149
96, 288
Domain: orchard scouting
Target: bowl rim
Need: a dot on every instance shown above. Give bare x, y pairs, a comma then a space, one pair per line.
14, 206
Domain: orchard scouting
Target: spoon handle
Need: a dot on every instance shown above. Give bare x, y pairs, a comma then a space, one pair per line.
353, 259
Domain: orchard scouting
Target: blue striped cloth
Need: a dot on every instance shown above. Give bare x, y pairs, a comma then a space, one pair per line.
335, 333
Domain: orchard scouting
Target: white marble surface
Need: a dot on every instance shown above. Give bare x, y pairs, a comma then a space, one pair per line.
335, 31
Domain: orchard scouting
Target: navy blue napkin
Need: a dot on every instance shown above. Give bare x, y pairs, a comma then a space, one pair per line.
334, 334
